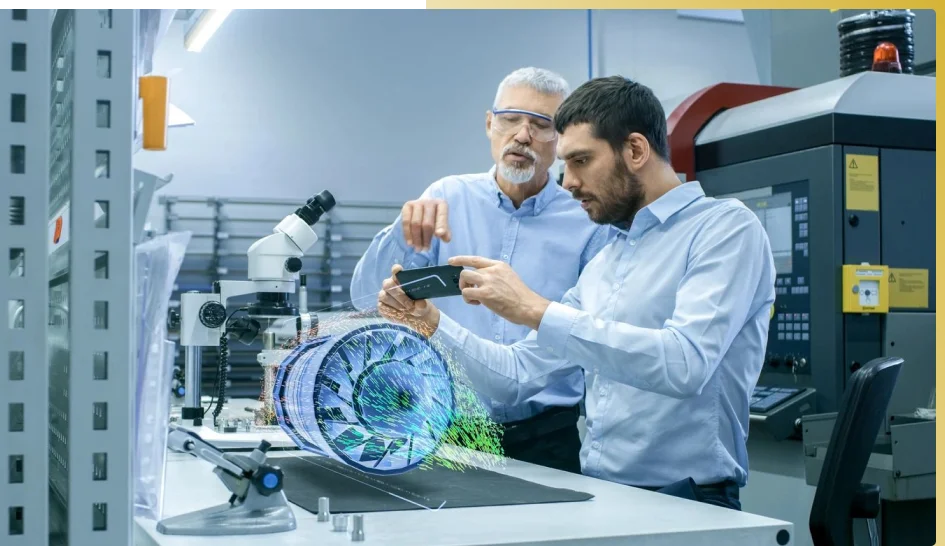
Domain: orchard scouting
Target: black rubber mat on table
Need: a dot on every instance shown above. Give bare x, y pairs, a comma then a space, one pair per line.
352, 491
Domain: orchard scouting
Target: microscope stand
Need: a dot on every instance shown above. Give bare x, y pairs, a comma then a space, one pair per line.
257, 515
257, 505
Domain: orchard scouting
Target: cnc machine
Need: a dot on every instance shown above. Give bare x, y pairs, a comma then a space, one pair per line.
842, 176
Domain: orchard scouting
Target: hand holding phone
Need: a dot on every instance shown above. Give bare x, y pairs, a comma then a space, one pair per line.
425, 283
417, 313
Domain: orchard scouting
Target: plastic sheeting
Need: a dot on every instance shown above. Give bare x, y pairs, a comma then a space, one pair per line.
157, 263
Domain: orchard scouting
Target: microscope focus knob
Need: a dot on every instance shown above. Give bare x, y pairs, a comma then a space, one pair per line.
212, 314
173, 320
293, 265
268, 480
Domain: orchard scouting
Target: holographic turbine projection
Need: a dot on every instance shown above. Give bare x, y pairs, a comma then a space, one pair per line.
379, 398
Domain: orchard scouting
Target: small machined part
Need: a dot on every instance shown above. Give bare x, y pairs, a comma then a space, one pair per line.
269, 341
323, 513
339, 523
357, 528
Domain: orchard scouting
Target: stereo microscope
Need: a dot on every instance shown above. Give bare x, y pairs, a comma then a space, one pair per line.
274, 265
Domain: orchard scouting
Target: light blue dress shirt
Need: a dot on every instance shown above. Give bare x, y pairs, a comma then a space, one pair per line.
669, 323
548, 240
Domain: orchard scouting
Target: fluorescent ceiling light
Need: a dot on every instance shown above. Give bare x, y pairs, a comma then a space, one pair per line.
208, 21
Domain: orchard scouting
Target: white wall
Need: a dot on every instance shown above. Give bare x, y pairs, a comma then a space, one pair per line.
673, 55
375, 105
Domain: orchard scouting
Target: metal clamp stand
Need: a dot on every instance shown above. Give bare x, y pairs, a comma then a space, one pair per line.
258, 504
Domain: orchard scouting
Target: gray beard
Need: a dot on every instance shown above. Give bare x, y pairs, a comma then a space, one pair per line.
515, 175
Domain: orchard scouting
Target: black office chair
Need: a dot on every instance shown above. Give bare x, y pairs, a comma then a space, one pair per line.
841, 497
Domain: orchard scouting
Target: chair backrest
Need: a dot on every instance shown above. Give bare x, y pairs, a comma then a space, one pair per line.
854, 434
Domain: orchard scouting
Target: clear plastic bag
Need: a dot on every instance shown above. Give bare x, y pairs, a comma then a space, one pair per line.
157, 263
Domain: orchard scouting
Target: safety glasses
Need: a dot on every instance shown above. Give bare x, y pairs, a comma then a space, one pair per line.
540, 126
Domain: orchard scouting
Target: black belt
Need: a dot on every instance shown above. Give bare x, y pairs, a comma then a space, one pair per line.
688, 489
546, 422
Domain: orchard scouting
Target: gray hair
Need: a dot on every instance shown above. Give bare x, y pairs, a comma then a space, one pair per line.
539, 79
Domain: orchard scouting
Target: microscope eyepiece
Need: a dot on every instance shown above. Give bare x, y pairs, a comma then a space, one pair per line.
315, 207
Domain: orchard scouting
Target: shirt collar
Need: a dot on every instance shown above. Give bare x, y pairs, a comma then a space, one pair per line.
536, 202
665, 207
675, 200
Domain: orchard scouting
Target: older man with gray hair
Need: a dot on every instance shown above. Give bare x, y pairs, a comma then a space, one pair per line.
515, 213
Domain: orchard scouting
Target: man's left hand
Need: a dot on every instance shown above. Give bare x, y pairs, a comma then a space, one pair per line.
494, 284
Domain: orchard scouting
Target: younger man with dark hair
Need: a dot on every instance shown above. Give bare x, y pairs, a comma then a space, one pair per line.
669, 322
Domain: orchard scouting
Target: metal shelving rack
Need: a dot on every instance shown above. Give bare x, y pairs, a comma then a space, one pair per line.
67, 385
92, 114
24, 160
222, 230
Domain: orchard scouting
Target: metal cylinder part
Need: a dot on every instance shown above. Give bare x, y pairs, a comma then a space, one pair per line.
303, 294
357, 528
323, 513
192, 370
339, 523
269, 341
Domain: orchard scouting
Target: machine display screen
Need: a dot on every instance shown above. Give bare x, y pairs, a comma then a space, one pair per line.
775, 213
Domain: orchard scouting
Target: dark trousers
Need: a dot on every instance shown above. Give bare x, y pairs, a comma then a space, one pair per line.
548, 439
724, 494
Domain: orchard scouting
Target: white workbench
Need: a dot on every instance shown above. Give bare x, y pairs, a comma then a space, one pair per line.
616, 515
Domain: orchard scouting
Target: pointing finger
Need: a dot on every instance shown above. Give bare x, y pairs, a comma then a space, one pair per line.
428, 225
416, 228
406, 216
442, 222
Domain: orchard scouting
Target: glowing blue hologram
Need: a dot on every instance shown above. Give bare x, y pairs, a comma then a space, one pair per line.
379, 398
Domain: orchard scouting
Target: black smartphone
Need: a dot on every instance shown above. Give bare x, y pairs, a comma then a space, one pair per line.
424, 283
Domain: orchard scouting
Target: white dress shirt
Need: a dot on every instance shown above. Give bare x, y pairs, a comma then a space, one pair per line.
669, 323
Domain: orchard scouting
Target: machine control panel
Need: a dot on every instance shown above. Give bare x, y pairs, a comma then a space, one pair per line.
764, 399
778, 410
792, 326
784, 212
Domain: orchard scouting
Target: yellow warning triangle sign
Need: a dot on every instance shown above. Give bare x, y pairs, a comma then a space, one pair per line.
852, 164
892, 278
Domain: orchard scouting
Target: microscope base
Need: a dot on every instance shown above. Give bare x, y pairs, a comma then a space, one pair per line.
258, 515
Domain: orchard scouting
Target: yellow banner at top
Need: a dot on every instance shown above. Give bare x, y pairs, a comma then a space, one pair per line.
625, 4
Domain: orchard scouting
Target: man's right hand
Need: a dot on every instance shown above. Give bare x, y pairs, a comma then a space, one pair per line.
423, 219
394, 305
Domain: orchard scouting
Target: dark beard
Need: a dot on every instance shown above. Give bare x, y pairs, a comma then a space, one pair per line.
622, 197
